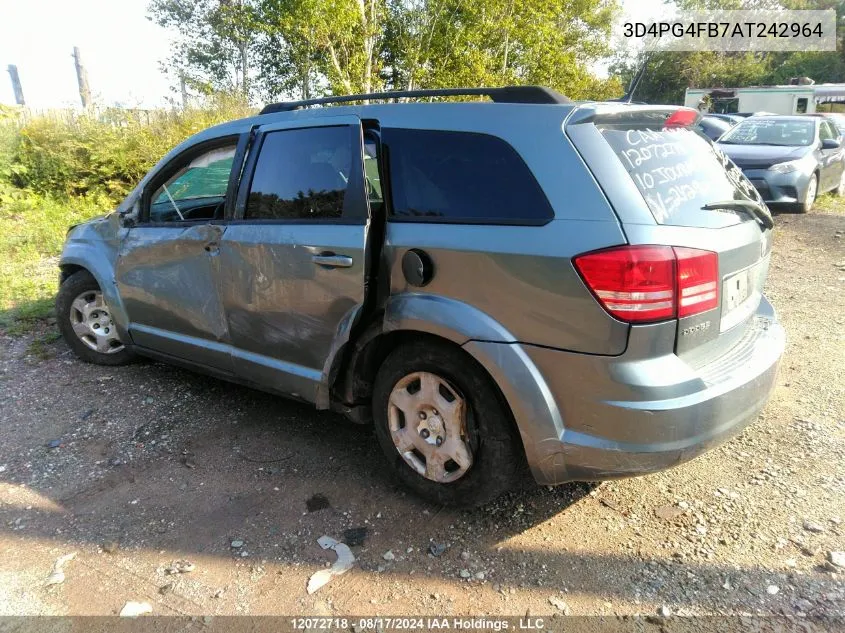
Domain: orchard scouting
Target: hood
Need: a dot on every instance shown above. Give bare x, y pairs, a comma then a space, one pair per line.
102, 227
763, 156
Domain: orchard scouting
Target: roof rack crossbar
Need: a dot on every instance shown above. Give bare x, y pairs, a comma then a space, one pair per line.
506, 94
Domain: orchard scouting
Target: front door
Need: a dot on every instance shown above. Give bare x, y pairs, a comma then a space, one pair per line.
168, 268
293, 259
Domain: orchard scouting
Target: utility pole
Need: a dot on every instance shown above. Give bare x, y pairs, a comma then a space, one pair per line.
16, 84
82, 78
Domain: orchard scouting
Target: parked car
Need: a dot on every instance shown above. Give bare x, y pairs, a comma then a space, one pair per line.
733, 119
789, 159
713, 127
745, 115
571, 288
837, 118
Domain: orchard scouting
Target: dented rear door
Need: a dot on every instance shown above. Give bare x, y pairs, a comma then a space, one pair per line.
293, 258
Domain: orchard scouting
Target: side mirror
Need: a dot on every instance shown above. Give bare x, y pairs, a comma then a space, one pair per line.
831, 143
129, 218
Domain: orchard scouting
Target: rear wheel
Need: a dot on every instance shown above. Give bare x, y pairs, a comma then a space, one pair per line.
86, 324
810, 195
441, 424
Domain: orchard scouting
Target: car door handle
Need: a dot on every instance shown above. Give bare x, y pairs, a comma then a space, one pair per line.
212, 247
330, 260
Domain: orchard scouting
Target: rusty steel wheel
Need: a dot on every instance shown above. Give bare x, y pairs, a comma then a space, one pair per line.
443, 425
427, 421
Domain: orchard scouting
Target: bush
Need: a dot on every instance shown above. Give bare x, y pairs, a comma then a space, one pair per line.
106, 153
62, 168
34, 229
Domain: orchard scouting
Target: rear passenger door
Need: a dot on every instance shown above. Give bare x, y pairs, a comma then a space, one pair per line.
293, 257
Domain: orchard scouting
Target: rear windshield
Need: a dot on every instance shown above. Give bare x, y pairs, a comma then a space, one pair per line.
677, 170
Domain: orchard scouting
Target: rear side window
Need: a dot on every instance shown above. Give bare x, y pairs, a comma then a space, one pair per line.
677, 170
461, 177
301, 174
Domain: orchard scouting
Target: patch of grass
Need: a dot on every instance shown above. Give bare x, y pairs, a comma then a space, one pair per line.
41, 347
63, 168
34, 229
828, 203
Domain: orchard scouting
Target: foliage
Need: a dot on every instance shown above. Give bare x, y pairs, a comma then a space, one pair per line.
309, 47
106, 153
34, 228
61, 169
216, 45
669, 74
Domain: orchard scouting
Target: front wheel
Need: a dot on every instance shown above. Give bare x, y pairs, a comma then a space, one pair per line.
86, 324
441, 422
810, 195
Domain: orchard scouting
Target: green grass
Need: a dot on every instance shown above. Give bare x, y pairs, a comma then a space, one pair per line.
828, 203
34, 229
60, 169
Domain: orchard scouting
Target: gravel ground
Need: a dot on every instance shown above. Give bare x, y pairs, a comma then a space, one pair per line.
134, 469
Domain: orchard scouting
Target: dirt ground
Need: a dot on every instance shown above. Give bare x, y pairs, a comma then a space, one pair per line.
136, 468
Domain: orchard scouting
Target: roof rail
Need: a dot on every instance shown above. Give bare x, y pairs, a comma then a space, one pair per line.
506, 94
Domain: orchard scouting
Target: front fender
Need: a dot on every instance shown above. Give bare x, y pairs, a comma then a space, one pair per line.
95, 247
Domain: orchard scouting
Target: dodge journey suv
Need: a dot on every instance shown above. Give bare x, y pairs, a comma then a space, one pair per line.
522, 283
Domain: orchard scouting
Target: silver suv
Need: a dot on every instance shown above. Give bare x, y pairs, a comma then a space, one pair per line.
575, 288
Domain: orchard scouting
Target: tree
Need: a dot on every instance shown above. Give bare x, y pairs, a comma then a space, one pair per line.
214, 50
309, 47
438, 43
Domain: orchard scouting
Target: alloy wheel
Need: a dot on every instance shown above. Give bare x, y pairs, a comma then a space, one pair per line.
812, 186
92, 323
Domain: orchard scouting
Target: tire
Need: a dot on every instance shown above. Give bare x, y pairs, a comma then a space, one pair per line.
82, 287
489, 433
810, 195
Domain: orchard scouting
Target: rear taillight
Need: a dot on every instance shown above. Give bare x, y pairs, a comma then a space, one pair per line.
681, 118
698, 281
652, 283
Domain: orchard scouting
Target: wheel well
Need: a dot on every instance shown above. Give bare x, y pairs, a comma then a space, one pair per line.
354, 381
66, 270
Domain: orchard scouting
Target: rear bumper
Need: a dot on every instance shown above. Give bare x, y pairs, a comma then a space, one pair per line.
644, 412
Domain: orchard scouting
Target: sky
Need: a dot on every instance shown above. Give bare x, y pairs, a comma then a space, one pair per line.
120, 48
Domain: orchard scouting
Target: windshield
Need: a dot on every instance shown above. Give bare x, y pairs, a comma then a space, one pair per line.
763, 131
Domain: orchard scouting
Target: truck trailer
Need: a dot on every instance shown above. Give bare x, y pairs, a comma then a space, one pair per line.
791, 99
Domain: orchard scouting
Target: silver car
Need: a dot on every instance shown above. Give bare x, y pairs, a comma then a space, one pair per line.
789, 159
572, 290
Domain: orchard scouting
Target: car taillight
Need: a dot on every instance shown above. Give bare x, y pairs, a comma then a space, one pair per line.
652, 283
681, 118
698, 281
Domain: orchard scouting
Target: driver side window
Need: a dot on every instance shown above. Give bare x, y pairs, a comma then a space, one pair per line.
196, 190
826, 131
